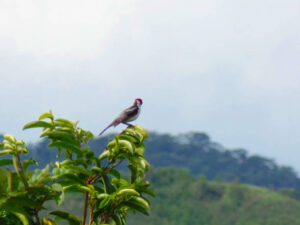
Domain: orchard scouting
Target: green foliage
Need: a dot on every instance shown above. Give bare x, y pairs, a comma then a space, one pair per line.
108, 195
200, 155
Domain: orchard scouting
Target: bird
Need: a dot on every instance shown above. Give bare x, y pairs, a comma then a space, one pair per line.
127, 115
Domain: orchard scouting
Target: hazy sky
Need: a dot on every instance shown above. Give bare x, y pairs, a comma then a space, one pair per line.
228, 68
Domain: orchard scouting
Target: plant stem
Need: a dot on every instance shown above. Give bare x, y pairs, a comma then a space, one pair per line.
36, 214
91, 214
100, 220
9, 179
95, 178
86, 198
106, 218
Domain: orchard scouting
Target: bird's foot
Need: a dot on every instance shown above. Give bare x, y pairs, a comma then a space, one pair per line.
129, 125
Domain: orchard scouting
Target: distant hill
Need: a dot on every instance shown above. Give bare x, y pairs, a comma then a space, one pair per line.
197, 153
185, 200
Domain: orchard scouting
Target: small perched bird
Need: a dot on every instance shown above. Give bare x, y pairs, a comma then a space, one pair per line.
127, 115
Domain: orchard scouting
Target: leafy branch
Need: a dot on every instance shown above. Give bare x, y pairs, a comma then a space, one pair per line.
108, 196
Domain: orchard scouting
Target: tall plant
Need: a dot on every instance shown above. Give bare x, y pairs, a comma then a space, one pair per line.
108, 195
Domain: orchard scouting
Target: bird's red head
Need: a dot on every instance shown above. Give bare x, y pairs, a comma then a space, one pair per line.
140, 100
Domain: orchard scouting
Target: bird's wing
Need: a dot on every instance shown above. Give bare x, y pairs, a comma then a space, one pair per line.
126, 115
131, 112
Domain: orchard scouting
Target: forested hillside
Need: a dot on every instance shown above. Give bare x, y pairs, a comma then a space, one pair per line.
197, 153
185, 196
182, 199
186, 200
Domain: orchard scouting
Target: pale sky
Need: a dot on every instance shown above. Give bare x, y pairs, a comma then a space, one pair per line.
228, 68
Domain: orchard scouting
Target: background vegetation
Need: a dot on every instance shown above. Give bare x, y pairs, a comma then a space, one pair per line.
183, 199
198, 181
197, 153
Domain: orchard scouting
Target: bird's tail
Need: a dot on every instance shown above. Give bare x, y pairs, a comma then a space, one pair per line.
105, 129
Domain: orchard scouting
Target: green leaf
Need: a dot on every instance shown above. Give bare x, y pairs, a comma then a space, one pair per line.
128, 191
97, 170
29, 162
144, 164
79, 169
136, 207
21, 213
10, 138
102, 196
21, 217
40, 176
58, 188
121, 183
73, 220
66, 162
76, 188
68, 178
115, 172
65, 145
105, 202
3, 182
46, 115
140, 201
89, 134
21, 200
129, 138
141, 130
37, 124
48, 222
137, 203
63, 135
8, 145
5, 162
39, 190
117, 219
90, 154
133, 173
58, 170
106, 183
60, 198
130, 131
123, 145
7, 151
104, 155
123, 216
64, 123
143, 189
140, 149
